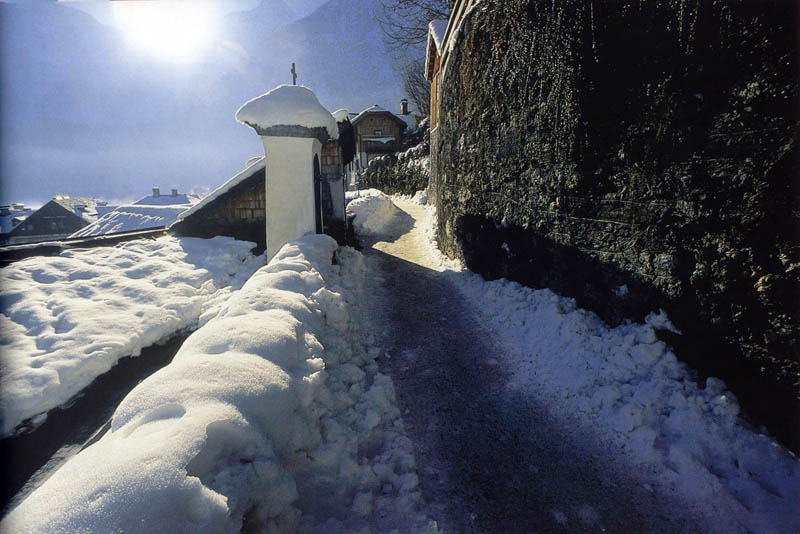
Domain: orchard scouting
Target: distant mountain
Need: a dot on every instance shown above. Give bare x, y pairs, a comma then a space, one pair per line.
340, 54
83, 114
338, 50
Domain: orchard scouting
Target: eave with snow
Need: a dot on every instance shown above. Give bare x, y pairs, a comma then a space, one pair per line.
235, 209
289, 111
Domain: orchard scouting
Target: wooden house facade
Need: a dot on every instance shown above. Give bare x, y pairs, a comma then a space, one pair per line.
57, 219
236, 209
378, 132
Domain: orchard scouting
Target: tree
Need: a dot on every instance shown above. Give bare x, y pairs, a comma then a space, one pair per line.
405, 29
405, 22
417, 87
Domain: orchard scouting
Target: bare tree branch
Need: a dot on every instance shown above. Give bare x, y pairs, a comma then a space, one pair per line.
405, 22
417, 87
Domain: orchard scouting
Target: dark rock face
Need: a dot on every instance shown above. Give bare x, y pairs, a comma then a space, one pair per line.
584, 146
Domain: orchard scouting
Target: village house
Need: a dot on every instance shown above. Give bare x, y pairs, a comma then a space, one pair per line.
11, 215
378, 132
148, 213
237, 209
57, 219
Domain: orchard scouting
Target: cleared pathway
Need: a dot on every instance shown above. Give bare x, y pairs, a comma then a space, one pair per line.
488, 462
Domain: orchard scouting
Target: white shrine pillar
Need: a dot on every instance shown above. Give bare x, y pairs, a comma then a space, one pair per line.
293, 126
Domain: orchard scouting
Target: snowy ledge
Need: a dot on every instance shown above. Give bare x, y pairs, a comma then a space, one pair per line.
286, 106
254, 422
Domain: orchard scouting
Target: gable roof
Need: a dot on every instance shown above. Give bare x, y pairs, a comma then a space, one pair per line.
83, 207
436, 33
376, 110
249, 171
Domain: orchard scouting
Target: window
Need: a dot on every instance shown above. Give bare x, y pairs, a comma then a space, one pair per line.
378, 132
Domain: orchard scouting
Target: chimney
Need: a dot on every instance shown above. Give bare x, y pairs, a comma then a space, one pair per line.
174, 193
404, 107
156, 192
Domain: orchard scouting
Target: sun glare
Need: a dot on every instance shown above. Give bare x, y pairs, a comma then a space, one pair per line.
173, 30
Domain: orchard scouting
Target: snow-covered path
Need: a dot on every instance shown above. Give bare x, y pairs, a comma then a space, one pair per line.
489, 462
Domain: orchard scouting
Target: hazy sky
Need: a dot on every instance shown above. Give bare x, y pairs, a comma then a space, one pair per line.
113, 98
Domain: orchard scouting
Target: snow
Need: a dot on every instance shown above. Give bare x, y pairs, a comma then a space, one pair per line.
437, 29
411, 122
380, 139
272, 415
420, 198
132, 217
167, 199
253, 166
15, 216
287, 105
639, 401
372, 209
341, 114
374, 109
67, 319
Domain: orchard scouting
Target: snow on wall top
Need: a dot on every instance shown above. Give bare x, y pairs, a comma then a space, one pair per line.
251, 169
287, 105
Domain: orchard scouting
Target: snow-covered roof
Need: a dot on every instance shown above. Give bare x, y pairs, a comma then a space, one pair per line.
409, 119
129, 218
341, 114
436, 33
287, 105
166, 200
253, 168
437, 28
13, 218
83, 207
376, 109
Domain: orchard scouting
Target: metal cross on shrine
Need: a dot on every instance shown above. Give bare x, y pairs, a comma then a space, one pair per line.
294, 75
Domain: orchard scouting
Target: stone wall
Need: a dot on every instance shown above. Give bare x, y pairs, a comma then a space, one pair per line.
635, 156
404, 172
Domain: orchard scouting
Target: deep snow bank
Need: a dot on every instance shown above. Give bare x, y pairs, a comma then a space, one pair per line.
640, 403
67, 319
272, 414
372, 211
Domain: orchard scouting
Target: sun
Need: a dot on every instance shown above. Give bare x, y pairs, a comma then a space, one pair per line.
172, 30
